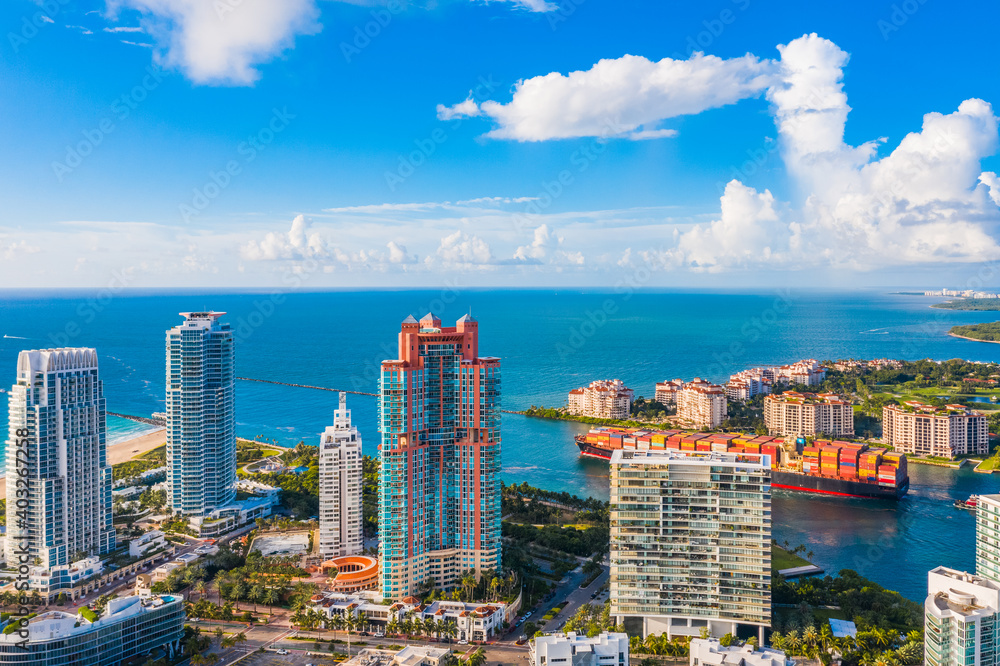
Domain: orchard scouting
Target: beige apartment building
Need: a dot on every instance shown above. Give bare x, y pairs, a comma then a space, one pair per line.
603, 399
924, 430
805, 414
701, 404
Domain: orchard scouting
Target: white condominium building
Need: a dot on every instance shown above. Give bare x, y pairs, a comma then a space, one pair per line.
808, 372
572, 649
988, 536
666, 392
960, 619
710, 652
57, 444
340, 482
603, 399
690, 542
925, 430
802, 414
701, 404
748, 383
201, 436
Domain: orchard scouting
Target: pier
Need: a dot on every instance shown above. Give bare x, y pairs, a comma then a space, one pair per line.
140, 419
305, 386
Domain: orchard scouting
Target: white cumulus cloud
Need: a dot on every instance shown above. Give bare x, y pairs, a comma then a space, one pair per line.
619, 96
297, 243
461, 248
223, 41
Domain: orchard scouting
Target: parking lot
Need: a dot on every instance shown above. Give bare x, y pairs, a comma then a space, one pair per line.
271, 659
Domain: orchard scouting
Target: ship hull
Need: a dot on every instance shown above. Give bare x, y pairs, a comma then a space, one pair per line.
804, 483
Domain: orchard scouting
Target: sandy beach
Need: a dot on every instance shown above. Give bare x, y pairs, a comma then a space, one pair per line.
130, 448
956, 335
121, 451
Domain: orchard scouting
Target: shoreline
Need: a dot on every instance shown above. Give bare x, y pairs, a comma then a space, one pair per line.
965, 337
120, 452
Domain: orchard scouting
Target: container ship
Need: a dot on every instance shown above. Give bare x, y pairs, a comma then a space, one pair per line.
847, 469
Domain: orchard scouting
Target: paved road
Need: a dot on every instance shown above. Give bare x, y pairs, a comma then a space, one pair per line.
570, 591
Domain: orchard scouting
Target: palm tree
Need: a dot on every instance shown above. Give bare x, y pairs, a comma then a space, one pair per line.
430, 626
392, 626
200, 588
255, 594
271, 598
477, 658
469, 583
810, 636
237, 592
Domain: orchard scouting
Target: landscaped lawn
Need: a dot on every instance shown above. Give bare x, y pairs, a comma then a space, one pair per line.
991, 463
782, 559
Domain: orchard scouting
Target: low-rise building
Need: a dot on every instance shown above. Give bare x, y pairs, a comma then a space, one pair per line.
808, 414
711, 652
960, 619
925, 430
129, 627
572, 649
702, 404
49, 583
666, 392
147, 543
232, 516
161, 572
473, 622
411, 655
257, 488
420, 655
603, 399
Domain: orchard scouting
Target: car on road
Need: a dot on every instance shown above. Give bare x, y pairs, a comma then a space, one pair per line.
594, 595
463, 642
281, 651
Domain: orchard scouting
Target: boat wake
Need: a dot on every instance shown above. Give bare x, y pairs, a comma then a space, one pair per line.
13, 337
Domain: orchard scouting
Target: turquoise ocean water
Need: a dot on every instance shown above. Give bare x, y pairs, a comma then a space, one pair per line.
550, 342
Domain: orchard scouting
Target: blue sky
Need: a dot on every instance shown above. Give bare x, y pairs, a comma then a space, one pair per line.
736, 167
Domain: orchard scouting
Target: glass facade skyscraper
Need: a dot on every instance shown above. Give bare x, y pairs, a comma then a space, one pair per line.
690, 541
57, 446
201, 436
439, 486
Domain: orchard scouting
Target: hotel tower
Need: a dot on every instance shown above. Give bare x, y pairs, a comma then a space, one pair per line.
57, 445
201, 438
439, 486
